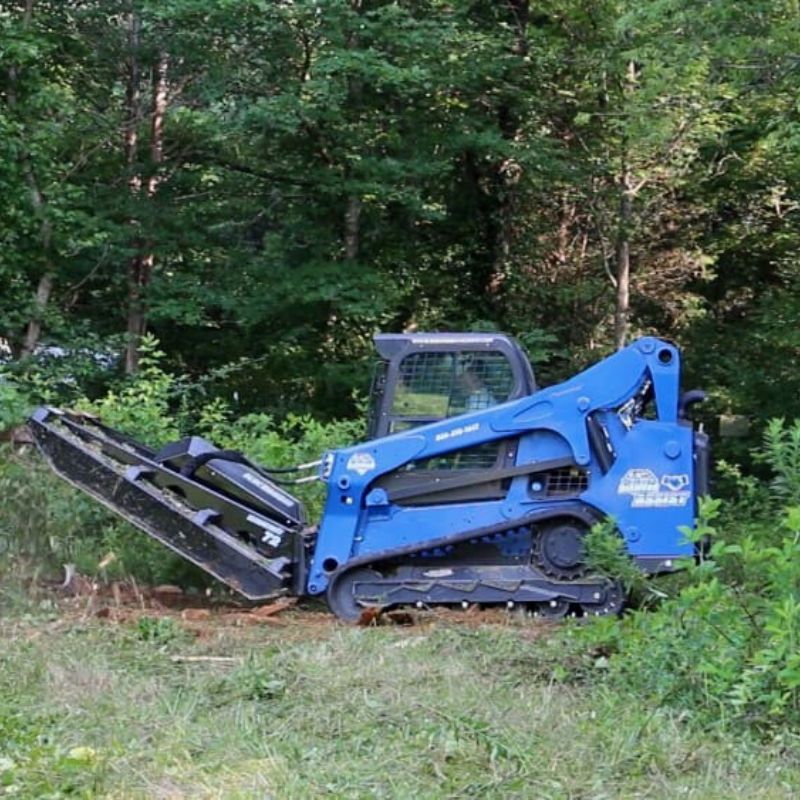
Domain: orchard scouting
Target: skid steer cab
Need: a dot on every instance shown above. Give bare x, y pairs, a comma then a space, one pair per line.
426, 377
473, 486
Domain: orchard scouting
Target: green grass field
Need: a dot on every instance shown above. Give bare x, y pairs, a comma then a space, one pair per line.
309, 708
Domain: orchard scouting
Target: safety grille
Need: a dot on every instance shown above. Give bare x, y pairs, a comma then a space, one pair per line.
446, 384
564, 482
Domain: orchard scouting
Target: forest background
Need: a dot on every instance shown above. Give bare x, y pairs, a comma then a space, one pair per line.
263, 184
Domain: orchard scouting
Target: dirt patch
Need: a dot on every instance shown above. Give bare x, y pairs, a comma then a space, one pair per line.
126, 602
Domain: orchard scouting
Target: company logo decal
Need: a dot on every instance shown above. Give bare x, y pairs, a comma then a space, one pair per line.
362, 463
648, 490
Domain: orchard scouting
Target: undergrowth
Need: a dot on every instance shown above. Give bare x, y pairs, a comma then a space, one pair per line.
725, 643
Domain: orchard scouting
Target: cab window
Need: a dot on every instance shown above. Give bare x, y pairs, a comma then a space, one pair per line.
445, 384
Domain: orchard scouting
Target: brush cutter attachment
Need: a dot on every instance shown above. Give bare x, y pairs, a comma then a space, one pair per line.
212, 507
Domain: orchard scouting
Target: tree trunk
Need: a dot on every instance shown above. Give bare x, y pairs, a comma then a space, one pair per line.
509, 172
130, 143
34, 330
623, 264
160, 89
352, 228
141, 265
352, 212
623, 247
44, 288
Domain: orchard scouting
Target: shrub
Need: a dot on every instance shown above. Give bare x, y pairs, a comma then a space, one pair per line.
606, 554
726, 643
42, 519
14, 404
142, 407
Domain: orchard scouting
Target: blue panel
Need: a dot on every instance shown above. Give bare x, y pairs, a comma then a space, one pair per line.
648, 492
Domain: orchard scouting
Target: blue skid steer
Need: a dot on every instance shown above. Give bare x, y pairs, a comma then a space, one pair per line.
474, 485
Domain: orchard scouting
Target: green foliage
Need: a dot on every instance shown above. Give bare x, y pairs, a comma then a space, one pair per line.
605, 552
159, 631
45, 523
390, 165
118, 551
142, 406
14, 406
725, 645
32, 765
258, 679
781, 451
42, 520
745, 494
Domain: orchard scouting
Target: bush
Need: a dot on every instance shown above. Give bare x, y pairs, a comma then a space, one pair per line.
45, 523
42, 519
143, 406
726, 644
14, 405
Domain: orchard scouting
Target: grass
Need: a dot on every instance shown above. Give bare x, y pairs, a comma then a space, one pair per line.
315, 709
